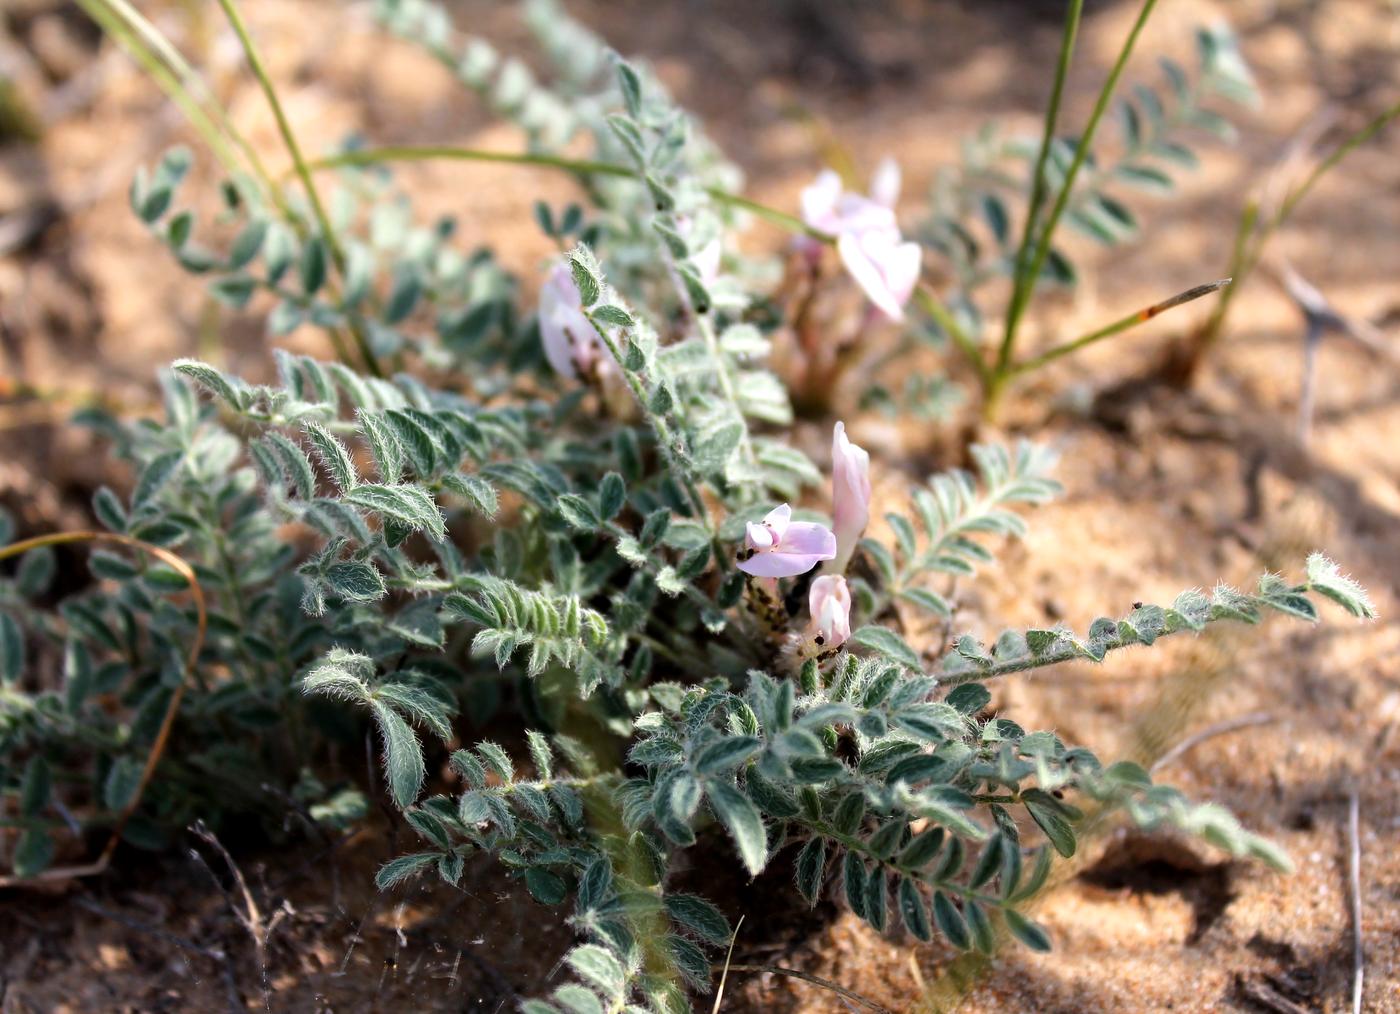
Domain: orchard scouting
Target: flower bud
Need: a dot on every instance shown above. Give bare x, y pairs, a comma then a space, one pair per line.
850, 496
830, 606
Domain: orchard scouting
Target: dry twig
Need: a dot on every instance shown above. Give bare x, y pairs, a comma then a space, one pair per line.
172, 709
249, 915
1211, 731
815, 980
1354, 884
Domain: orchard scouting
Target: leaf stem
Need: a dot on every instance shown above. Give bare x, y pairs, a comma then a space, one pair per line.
930, 303
579, 167
1132, 320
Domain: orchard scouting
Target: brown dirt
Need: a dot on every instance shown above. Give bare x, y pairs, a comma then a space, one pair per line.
1180, 491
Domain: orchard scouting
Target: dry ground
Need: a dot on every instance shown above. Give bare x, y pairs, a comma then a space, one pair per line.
1176, 492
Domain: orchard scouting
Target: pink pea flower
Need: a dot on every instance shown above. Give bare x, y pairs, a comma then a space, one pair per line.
867, 236
830, 604
884, 184
782, 547
850, 495
884, 266
570, 343
705, 258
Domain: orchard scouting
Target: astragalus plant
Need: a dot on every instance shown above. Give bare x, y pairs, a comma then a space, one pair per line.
579, 515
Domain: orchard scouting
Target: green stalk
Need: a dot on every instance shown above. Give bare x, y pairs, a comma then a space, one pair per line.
1020, 292
447, 152
1081, 152
165, 78
930, 303
659, 426
1242, 259
1343, 150
159, 57
781, 219
284, 127
580, 167
1251, 237
1117, 327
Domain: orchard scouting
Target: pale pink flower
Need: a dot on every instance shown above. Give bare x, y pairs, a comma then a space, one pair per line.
830, 605
884, 184
884, 266
850, 495
820, 201
705, 258
570, 343
867, 236
782, 547
706, 261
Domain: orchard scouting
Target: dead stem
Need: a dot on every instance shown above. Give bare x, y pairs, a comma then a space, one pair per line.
1358, 955
815, 980
172, 709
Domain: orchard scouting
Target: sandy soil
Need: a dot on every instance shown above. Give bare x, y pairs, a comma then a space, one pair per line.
1174, 493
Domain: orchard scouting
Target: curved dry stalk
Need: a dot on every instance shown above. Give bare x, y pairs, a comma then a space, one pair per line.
1210, 732
815, 980
172, 709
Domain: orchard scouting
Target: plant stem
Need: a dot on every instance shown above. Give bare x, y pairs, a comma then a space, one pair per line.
930, 303
1251, 237
726, 383
1242, 257
303, 172
579, 167
446, 152
1020, 292
167, 79
1357, 139
171, 710
1081, 152
658, 423
1117, 327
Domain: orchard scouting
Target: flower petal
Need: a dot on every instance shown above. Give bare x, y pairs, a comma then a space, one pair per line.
778, 519
807, 538
902, 269
758, 536
859, 253
884, 185
850, 495
829, 603
773, 564
819, 200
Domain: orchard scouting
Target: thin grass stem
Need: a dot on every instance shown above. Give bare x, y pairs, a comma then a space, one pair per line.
1370, 130
1081, 153
1020, 288
284, 127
